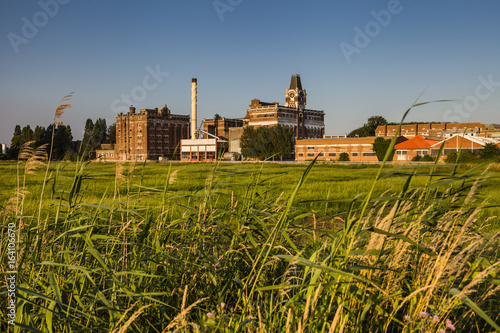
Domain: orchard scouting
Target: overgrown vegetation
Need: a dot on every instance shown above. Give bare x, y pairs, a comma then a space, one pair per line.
490, 153
63, 148
231, 255
267, 142
368, 129
381, 147
344, 157
424, 158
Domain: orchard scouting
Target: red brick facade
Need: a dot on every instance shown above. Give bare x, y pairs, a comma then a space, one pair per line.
150, 134
359, 149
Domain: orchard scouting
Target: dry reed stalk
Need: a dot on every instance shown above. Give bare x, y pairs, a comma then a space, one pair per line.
315, 299
57, 115
299, 329
315, 226
129, 322
306, 310
476, 184
124, 315
336, 319
119, 177
35, 161
442, 261
476, 280
181, 316
377, 240
261, 328
342, 324
288, 321
173, 177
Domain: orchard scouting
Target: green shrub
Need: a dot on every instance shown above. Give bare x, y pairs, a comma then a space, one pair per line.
466, 156
417, 158
427, 158
490, 151
344, 157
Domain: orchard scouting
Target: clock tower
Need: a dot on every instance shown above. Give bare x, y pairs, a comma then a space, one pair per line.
295, 96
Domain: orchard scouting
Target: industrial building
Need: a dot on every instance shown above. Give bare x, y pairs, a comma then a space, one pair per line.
435, 129
220, 126
150, 134
358, 149
198, 148
305, 123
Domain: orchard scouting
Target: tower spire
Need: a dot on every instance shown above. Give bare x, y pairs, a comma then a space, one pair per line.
295, 95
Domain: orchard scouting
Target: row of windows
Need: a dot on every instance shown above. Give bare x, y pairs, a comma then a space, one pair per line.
198, 156
106, 155
353, 154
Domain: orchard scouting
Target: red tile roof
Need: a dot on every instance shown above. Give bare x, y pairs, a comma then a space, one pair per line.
417, 142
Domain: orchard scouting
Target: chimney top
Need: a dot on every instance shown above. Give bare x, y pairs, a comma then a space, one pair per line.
194, 80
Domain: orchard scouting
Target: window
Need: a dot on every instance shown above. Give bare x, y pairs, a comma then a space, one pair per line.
310, 154
310, 148
401, 152
332, 154
301, 154
369, 154
321, 154
421, 152
354, 154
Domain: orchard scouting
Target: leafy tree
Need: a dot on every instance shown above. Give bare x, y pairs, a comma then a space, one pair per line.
87, 144
217, 116
489, 151
283, 141
417, 158
247, 144
15, 143
368, 129
99, 133
38, 135
427, 158
380, 146
62, 142
26, 134
264, 142
344, 157
95, 134
466, 156
111, 134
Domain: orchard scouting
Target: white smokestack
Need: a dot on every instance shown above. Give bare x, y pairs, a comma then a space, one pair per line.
194, 107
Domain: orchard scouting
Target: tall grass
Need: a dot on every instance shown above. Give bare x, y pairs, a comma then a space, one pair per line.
232, 255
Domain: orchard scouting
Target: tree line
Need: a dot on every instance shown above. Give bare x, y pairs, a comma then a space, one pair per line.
276, 142
64, 148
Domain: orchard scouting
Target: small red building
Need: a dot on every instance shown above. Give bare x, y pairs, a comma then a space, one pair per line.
417, 146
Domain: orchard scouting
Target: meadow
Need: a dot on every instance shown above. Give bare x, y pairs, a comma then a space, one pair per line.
252, 247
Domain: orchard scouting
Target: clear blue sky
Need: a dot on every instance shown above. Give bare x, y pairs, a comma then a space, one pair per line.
245, 50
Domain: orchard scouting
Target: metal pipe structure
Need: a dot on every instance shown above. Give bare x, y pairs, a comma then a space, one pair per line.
194, 107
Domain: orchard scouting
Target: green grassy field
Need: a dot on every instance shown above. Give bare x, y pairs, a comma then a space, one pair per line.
333, 185
253, 247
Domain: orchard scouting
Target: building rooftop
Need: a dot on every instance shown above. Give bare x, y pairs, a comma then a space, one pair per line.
417, 142
295, 82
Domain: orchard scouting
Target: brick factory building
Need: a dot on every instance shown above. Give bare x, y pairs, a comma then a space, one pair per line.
358, 149
151, 134
305, 123
435, 129
220, 126
463, 142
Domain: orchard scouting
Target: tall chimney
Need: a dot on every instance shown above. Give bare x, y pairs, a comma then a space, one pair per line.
194, 106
